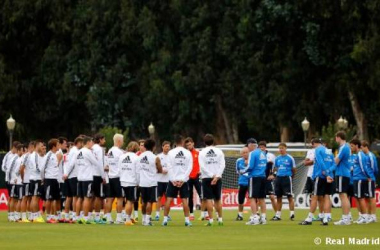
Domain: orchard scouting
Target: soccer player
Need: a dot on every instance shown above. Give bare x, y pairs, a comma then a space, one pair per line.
179, 168
71, 179
285, 168
251, 144
62, 188
360, 176
36, 187
87, 165
212, 164
162, 178
50, 173
373, 171
322, 177
97, 149
114, 190
136, 204
241, 165
26, 168
257, 165
269, 186
148, 165
15, 182
129, 178
342, 178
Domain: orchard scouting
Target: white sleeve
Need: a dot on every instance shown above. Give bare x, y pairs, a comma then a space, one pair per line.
293, 162
222, 165
189, 165
4, 163
94, 162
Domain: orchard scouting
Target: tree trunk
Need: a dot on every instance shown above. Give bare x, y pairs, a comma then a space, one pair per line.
227, 129
284, 133
361, 122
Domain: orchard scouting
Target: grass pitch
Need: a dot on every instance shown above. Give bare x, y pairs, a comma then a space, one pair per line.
283, 234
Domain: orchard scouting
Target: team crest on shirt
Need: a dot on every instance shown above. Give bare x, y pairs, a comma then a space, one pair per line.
144, 160
262, 156
211, 153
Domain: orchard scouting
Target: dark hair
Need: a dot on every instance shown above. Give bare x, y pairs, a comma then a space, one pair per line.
62, 139
15, 143
365, 143
165, 143
178, 139
19, 146
86, 139
78, 140
52, 143
208, 139
149, 144
189, 139
32, 143
356, 142
316, 140
98, 137
263, 143
341, 135
282, 144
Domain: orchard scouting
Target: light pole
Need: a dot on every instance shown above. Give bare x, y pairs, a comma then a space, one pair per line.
305, 127
151, 130
345, 122
11, 123
341, 123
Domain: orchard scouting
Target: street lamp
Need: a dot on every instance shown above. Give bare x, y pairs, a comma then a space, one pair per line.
345, 122
11, 123
305, 127
341, 122
151, 130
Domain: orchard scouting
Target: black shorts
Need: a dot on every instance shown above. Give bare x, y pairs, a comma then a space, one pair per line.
322, 187
309, 186
161, 188
9, 187
342, 184
350, 192
173, 191
72, 187
52, 189
211, 192
36, 188
98, 187
243, 190
257, 187
194, 183
26, 190
16, 191
269, 187
114, 189
148, 194
130, 193
62, 190
364, 189
283, 186
85, 189
371, 189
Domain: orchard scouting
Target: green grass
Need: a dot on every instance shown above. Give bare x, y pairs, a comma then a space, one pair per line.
284, 234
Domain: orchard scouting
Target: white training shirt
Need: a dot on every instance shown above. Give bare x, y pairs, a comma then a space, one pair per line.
60, 172
14, 171
271, 157
86, 164
311, 156
50, 167
211, 162
69, 168
28, 167
6, 163
161, 177
112, 159
146, 167
100, 157
127, 168
180, 164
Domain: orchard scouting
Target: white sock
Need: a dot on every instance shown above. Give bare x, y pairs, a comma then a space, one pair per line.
192, 215
29, 214
291, 213
136, 213
147, 219
187, 220
309, 217
204, 213
165, 218
220, 219
97, 216
264, 216
109, 217
118, 217
373, 216
144, 218
127, 217
211, 220
157, 213
240, 214
321, 215
278, 214
23, 215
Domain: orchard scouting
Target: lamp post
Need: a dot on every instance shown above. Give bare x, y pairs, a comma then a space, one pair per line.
11, 123
345, 123
151, 130
305, 127
341, 123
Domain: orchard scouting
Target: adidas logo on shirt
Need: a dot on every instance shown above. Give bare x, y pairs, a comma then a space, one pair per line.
180, 155
110, 154
80, 156
144, 160
127, 160
211, 153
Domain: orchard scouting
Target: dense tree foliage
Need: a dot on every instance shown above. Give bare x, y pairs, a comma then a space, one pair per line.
234, 68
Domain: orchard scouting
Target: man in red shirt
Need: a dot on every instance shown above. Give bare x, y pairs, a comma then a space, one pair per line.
194, 179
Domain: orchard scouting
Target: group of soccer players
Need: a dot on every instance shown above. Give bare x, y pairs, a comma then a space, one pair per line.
88, 180
79, 182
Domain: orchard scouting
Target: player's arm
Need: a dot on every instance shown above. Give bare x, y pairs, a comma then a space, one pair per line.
342, 153
158, 165
4, 163
94, 162
294, 166
363, 166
